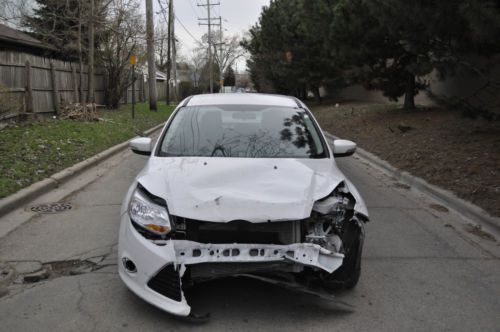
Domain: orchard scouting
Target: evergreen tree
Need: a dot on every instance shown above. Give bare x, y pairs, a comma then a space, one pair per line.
394, 44
288, 47
204, 81
387, 45
275, 48
56, 23
229, 77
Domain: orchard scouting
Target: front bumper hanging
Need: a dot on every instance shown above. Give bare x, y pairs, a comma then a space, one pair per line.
160, 266
189, 252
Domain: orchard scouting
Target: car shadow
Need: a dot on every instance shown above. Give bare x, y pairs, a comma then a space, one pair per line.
243, 299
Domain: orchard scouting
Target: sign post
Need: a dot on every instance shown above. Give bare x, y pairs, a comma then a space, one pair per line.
133, 61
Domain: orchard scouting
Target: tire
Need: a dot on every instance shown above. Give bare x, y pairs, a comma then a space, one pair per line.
347, 275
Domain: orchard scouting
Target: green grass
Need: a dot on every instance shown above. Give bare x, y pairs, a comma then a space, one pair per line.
32, 151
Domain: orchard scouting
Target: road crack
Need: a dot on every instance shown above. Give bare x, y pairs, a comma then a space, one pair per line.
80, 307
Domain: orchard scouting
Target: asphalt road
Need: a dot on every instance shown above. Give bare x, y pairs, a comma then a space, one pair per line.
424, 269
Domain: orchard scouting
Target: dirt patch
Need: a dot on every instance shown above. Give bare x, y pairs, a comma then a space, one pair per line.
478, 231
401, 186
439, 207
438, 145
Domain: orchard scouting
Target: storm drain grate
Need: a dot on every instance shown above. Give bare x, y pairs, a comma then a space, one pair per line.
51, 207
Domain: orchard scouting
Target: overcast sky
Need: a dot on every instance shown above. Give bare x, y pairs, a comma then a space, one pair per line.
238, 16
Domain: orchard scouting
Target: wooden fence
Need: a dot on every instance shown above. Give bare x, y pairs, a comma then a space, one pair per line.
37, 84
41, 84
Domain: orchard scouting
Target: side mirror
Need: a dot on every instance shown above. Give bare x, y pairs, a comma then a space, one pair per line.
343, 148
141, 145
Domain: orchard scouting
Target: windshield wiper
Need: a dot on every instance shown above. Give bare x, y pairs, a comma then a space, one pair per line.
218, 148
166, 154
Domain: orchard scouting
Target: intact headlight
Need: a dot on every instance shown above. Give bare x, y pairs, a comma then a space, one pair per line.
151, 216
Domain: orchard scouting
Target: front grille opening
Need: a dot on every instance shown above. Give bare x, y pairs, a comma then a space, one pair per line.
209, 271
168, 283
279, 233
210, 236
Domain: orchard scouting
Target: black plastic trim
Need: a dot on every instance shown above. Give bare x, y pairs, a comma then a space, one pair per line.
167, 282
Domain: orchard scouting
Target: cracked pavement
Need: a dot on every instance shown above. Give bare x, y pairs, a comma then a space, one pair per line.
424, 268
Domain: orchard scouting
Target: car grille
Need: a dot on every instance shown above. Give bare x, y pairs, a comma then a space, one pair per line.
207, 271
168, 283
285, 232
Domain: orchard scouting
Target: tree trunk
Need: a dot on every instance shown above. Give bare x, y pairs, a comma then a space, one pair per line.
90, 92
151, 55
169, 59
317, 94
80, 56
410, 93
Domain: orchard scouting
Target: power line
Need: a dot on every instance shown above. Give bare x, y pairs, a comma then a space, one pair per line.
180, 22
169, 33
163, 11
192, 7
209, 23
186, 29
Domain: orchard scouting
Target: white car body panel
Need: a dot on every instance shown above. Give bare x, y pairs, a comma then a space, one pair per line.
226, 189
255, 190
242, 99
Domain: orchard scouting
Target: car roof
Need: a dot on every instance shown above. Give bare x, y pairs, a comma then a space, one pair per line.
242, 99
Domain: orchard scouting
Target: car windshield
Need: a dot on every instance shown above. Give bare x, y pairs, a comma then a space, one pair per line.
243, 131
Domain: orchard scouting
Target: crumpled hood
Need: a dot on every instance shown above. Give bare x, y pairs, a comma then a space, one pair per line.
227, 189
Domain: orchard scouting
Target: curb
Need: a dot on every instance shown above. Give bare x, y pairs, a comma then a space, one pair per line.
28, 194
449, 199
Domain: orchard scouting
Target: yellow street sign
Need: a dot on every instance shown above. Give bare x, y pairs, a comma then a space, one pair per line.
133, 59
221, 82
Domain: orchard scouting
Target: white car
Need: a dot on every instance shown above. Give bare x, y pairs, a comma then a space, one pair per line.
239, 184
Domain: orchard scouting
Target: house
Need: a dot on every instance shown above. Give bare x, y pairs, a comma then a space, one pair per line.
15, 40
183, 72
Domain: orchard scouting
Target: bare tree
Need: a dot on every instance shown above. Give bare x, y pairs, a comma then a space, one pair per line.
231, 50
125, 31
161, 41
12, 11
197, 61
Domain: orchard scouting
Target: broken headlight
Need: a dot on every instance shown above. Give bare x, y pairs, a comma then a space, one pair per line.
332, 213
149, 212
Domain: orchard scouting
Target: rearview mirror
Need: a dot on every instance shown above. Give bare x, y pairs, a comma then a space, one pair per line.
141, 145
343, 148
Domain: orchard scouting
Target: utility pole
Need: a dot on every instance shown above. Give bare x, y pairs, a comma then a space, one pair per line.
169, 59
174, 58
221, 44
90, 69
210, 24
80, 54
151, 55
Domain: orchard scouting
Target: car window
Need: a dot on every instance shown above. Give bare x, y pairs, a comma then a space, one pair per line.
244, 131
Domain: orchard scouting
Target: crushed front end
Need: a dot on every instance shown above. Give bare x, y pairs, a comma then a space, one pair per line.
158, 259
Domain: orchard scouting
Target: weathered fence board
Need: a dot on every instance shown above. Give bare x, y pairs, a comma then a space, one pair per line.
31, 80
37, 93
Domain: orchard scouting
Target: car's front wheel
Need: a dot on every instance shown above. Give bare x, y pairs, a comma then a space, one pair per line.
347, 276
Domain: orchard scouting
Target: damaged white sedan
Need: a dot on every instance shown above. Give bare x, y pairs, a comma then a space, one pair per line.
239, 184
